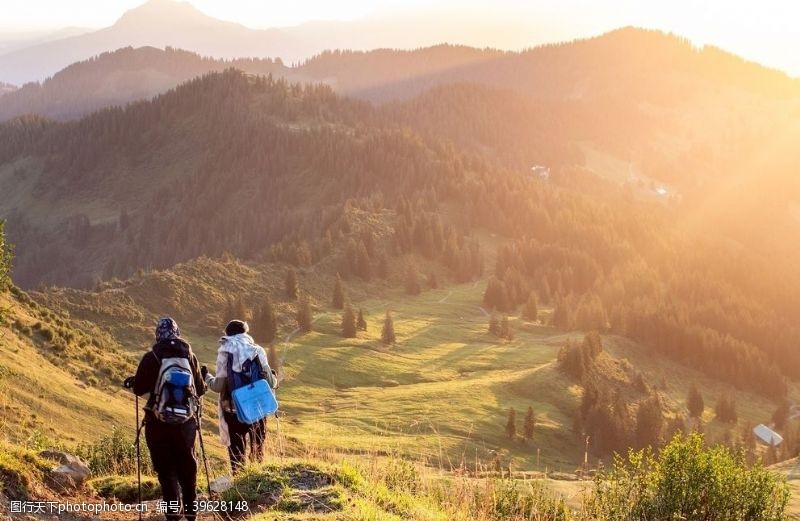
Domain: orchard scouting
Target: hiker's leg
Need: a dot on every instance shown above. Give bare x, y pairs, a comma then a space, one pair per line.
258, 434
187, 467
162, 454
237, 432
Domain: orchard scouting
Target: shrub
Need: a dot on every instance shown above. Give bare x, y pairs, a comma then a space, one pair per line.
115, 453
687, 481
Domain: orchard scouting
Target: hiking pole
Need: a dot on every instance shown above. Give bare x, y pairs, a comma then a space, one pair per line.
202, 446
138, 458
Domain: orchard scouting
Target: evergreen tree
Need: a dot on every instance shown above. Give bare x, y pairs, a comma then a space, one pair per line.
781, 415
348, 322
291, 285
511, 424
265, 324
304, 315
694, 402
649, 422
272, 358
561, 314
505, 329
363, 262
240, 310
361, 324
529, 425
6, 255
494, 325
387, 334
433, 280
725, 409
337, 301
412, 280
531, 310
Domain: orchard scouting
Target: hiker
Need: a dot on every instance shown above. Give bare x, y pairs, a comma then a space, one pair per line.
235, 349
171, 374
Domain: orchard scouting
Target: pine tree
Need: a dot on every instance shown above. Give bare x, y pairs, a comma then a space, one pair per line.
529, 425
505, 329
695, 403
240, 310
272, 358
511, 424
494, 325
531, 310
348, 322
304, 315
781, 415
725, 409
387, 334
361, 324
6, 256
561, 314
649, 422
265, 324
412, 280
337, 301
290, 285
433, 281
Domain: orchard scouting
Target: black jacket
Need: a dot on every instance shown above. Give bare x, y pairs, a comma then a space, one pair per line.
149, 366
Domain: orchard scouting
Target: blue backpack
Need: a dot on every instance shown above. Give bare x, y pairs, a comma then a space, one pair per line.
250, 393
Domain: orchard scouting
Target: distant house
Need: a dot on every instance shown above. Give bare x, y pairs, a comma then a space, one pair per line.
767, 435
542, 172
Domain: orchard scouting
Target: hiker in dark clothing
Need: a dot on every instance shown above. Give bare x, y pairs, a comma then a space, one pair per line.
235, 348
171, 444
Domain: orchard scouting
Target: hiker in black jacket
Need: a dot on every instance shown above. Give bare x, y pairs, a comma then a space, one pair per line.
171, 444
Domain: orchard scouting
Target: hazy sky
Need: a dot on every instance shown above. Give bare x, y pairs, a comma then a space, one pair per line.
764, 31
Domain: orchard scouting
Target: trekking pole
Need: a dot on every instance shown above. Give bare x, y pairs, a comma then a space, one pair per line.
202, 446
278, 428
138, 459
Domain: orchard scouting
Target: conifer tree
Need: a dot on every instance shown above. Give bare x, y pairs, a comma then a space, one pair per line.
291, 285
387, 334
337, 301
781, 415
361, 324
505, 329
494, 325
240, 310
531, 310
694, 402
412, 280
272, 358
560, 318
265, 324
304, 315
348, 322
6, 255
649, 422
529, 425
511, 424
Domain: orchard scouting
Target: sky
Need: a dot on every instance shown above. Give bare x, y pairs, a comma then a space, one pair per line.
762, 31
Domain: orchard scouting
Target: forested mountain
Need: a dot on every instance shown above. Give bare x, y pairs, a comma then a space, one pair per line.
269, 169
117, 78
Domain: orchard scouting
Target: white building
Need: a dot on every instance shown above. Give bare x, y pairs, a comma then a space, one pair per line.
542, 172
767, 435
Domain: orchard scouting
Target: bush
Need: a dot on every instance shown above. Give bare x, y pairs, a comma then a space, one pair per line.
125, 488
687, 481
115, 453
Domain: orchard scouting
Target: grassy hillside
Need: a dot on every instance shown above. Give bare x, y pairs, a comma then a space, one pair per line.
59, 379
440, 395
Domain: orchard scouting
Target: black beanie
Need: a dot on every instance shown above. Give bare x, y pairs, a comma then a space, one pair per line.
236, 327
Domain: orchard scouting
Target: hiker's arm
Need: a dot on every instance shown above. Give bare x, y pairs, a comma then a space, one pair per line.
217, 383
266, 371
199, 384
145, 378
